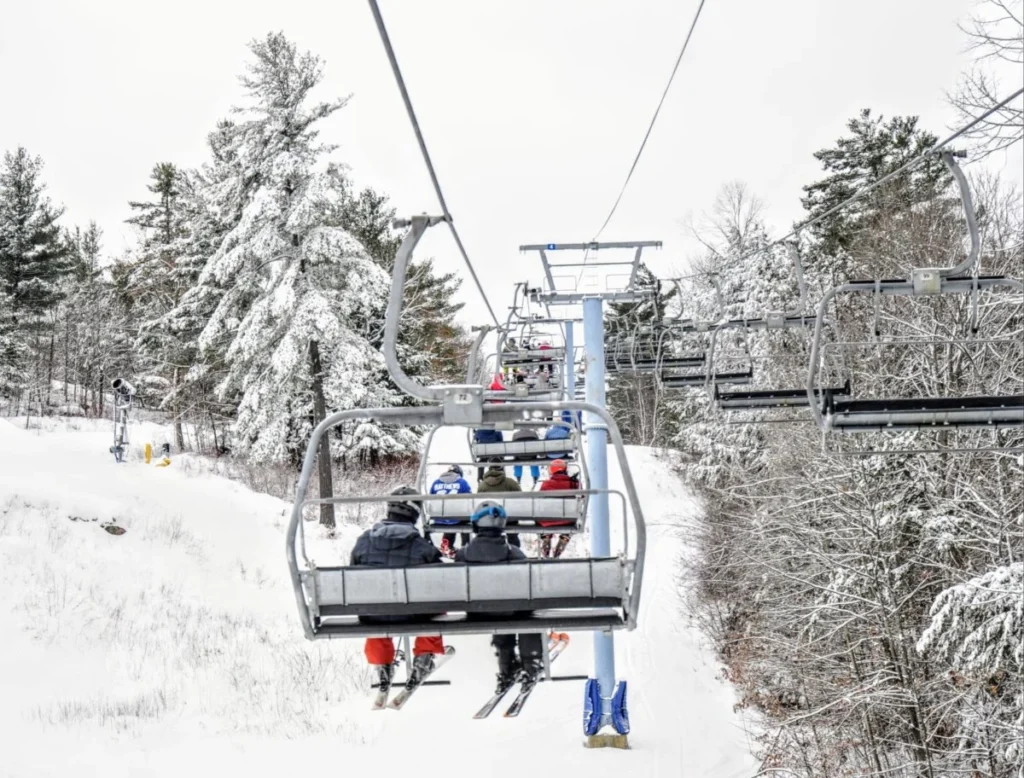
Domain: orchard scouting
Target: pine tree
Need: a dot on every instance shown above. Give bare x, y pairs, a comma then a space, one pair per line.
292, 288
33, 259
159, 273
874, 149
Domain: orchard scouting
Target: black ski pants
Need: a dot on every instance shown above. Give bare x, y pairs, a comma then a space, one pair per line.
530, 647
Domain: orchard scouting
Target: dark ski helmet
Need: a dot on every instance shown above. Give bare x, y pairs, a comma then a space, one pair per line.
455, 469
404, 510
489, 515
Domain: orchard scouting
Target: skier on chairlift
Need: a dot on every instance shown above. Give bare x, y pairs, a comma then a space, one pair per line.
495, 480
395, 542
490, 546
523, 434
451, 482
559, 478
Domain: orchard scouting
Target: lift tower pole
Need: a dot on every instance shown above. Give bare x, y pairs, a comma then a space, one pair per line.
605, 721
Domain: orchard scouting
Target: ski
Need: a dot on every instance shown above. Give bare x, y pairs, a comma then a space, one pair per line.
380, 701
403, 696
526, 689
492, 703
556, 643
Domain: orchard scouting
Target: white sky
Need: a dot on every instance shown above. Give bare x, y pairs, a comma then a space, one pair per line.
532, 109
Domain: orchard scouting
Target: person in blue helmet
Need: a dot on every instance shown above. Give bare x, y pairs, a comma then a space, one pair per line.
451, 482
490, 547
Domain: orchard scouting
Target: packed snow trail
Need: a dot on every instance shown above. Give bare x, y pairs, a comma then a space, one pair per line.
175, 647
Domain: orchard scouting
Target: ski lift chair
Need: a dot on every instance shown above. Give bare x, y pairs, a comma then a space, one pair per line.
858, 414
772, 398
336, 601
713, 373
525, 510
528, 452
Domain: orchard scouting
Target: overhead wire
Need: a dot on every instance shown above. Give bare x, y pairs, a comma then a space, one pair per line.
650, 127
375, 9
647, 135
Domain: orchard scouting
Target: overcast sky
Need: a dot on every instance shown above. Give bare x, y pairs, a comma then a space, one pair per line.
531, 109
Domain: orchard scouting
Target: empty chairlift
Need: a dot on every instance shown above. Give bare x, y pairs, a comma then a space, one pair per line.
993, 398
773, 391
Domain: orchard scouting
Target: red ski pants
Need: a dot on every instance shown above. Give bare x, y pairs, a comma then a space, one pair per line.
381, 651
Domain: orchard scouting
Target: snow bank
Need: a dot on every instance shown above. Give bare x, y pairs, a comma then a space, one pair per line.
176, 646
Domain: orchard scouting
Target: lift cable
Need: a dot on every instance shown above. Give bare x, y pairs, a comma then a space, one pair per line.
650, 127
426, 155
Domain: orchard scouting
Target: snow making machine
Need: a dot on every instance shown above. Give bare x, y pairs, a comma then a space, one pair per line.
124, 400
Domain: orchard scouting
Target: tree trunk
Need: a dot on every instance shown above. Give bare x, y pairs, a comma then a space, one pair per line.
319, 414
67, 349
49, 368
179, 437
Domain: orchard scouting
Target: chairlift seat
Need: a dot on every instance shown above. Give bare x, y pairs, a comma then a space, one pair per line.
526, 510
525, 450
577, 594
651, 364
925, 413
774, 398
533, 356
682, 381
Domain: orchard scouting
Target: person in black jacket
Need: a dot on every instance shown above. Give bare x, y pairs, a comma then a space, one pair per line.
488, 547
395, 542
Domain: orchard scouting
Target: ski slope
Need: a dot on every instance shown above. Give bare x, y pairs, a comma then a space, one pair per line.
175, 647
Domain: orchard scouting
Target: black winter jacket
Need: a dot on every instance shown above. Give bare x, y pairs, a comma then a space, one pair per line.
488, 547
394, 544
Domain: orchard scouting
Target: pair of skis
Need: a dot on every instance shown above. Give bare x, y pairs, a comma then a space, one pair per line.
380, 702
557, 642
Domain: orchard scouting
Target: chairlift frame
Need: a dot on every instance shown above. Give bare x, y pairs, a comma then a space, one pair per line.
563, 594
856, 415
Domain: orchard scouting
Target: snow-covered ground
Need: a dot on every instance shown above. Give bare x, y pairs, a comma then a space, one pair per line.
176, 647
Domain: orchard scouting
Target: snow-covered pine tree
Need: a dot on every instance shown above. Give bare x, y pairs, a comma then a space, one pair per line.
33, 259
873, 149
292, 288
158, 273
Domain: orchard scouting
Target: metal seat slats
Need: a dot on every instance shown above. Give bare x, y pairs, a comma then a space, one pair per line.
923, 413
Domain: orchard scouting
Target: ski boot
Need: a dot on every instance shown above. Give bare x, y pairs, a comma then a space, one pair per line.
563, 541
422, 666
508, 673
384, 675
545, 546
531, 671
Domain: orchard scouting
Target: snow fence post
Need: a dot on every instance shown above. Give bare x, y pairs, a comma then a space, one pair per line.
597, 520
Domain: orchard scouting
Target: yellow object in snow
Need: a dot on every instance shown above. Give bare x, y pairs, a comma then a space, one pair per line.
164, 462
149, 452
